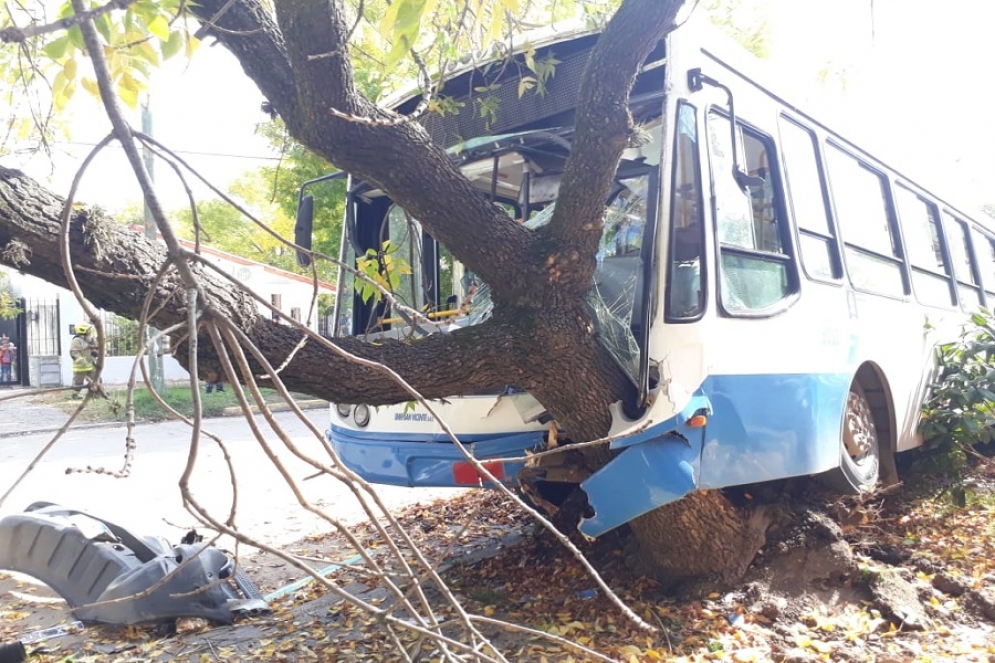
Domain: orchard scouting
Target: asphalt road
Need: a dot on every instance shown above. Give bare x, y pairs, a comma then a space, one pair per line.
149, 501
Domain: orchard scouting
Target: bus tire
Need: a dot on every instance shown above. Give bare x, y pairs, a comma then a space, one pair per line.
860, 444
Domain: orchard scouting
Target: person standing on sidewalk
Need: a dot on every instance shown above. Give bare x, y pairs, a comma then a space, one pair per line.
83, 351
6, 361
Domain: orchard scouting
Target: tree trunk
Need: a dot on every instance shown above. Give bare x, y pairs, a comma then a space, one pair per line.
701, 537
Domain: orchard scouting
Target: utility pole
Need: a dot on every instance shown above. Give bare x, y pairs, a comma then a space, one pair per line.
156, 372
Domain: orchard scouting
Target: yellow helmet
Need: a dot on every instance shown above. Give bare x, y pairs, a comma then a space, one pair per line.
82, 328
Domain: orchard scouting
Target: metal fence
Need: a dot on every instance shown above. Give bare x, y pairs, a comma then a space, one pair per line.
43, 327
121, 335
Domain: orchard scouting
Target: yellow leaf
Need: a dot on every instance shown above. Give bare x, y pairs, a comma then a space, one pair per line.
159, 26
90, 86
192, 45
128, 96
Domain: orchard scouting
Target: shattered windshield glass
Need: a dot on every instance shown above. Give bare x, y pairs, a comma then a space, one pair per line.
523, 179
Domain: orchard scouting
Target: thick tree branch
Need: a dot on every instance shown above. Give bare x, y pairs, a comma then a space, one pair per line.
475, 358
603, 129
303, 89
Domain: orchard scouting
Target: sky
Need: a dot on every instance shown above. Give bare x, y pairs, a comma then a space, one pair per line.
906, 80
205, 109
912, 83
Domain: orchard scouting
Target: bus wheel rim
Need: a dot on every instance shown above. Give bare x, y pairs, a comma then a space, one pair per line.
860, 437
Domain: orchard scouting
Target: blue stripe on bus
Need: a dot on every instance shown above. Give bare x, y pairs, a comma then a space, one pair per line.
761, 427
410, 460
772, 426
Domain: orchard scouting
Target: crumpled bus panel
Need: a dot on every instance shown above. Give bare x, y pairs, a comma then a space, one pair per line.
96, 565
657, 466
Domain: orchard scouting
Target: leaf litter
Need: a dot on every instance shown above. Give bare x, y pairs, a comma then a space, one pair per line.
503, 569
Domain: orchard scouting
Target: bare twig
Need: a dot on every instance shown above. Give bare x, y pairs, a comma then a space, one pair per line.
14, 34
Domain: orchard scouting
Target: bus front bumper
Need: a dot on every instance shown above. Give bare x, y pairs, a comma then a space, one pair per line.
409, 461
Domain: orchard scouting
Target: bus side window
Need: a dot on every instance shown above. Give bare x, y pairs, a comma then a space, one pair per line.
986, 256
754, 265
921, 227
816, 238
964, 271
873, 258
686, 299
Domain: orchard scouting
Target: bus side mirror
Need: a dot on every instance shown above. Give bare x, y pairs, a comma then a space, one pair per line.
303, 228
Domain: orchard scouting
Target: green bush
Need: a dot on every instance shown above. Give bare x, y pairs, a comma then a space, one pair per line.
959, 414
147, 408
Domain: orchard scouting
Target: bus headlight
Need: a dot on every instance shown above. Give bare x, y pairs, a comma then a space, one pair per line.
361, 415
343, 409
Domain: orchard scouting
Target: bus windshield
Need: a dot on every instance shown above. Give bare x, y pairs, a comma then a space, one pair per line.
430, 291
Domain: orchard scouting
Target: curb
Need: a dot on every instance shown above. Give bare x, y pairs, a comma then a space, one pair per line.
275, 407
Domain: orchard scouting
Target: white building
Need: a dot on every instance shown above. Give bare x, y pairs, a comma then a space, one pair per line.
290, 293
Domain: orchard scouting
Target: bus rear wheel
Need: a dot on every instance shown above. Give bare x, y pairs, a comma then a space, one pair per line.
860, 444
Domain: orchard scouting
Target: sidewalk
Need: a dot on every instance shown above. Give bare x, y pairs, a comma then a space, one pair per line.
25, 415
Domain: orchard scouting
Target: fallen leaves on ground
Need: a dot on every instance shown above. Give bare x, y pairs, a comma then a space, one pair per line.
532, 581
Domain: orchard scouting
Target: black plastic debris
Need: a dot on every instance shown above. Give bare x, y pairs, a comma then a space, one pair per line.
109, 575
15, 652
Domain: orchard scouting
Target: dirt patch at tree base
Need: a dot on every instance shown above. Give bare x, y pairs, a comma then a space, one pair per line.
898, 577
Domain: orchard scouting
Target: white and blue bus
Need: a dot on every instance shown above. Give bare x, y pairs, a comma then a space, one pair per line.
774, 291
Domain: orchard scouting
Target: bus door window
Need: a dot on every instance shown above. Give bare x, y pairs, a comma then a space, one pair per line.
345, 292
754, 265
405, 236
920, 223
816, 239
687, 240
960, 256
860, 199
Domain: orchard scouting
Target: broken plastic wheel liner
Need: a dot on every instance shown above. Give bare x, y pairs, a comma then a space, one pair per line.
107, 574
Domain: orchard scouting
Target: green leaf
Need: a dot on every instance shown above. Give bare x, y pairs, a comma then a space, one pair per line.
57, 48
103, 25
399, 50
525, 84
76, 37
172, 46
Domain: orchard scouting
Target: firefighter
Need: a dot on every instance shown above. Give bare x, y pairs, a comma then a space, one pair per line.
83, 351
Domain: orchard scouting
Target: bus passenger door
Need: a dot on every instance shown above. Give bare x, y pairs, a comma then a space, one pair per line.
774, 372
